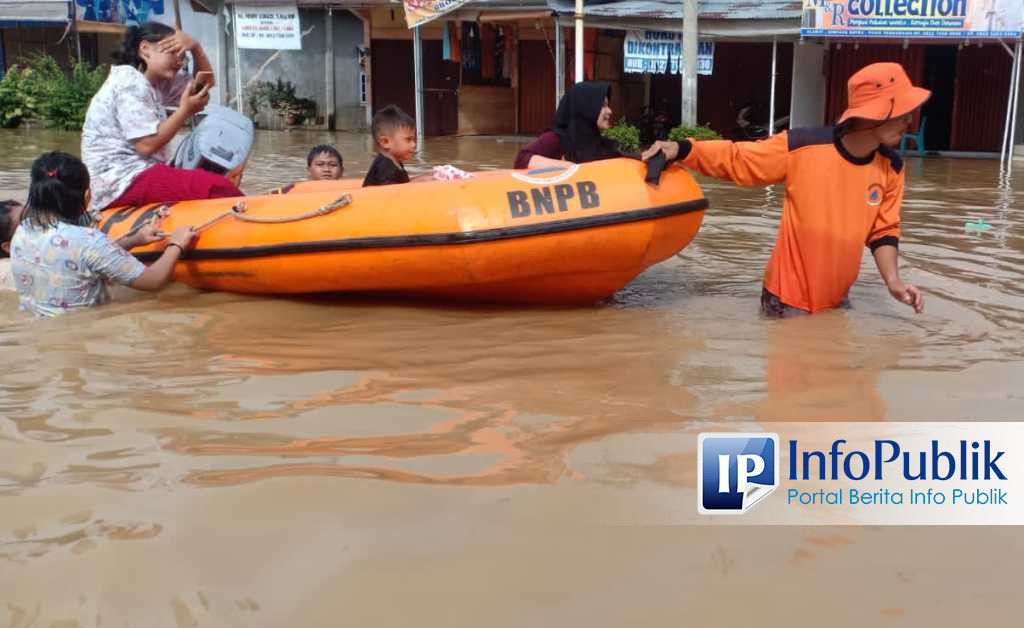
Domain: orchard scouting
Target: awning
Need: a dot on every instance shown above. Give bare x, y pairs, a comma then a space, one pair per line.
709, 29
477, 5
717, 19
673, 9
108, 28
42, 12
319, 4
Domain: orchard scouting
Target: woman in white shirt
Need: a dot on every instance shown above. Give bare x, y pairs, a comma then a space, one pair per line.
126, 131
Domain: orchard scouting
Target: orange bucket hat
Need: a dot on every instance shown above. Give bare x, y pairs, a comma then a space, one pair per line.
882, 91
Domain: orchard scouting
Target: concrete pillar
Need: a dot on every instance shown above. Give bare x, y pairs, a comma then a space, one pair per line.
220, 92
580, 76
329, 100
417, 59
239, 93
810, 85
689, 69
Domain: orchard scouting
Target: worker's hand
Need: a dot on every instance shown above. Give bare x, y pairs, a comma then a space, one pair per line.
191, 103
908, 294
671, 150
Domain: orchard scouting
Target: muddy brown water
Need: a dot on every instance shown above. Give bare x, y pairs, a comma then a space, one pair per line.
199, 459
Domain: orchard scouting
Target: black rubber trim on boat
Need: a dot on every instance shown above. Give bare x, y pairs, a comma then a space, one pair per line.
436, 239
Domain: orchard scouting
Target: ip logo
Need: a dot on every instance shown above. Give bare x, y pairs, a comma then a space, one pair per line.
735, 471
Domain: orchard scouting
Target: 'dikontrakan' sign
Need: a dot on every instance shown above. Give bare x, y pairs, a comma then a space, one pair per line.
419, 12
936, 19
658, 52
268, 28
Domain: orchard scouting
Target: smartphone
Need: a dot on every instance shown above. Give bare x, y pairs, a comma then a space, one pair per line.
201, 80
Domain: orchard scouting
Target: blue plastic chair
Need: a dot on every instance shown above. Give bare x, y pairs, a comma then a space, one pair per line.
917, 137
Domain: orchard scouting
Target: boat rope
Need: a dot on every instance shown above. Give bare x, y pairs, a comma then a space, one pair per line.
238, 212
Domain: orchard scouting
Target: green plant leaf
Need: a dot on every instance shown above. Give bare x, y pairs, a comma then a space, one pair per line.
699, 133
626, 135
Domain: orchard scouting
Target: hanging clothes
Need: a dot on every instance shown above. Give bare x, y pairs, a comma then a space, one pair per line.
446, 44
509, 56
452, 51
499, 52
470, 47
487, 56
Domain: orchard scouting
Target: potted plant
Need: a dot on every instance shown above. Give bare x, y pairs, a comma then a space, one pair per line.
625, 134
699, 133
280, 97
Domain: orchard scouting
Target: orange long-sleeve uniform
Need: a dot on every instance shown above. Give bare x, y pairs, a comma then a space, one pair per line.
835, 204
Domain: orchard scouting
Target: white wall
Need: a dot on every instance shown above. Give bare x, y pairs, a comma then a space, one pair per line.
807, 104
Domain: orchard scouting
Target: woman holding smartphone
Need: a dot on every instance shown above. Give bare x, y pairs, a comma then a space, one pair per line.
126, 131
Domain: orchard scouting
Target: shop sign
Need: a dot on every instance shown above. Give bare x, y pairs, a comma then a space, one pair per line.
268, 28
906, 19
419, 12
651, 52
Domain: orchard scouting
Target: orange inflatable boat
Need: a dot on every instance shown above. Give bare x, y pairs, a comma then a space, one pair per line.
546, 236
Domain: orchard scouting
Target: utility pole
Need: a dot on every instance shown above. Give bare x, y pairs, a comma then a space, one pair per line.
688, 72
580, 77
329, 97
417, 59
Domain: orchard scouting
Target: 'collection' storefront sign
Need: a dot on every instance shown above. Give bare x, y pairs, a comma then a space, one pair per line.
651, 52
418, 12
268, 28
936, 19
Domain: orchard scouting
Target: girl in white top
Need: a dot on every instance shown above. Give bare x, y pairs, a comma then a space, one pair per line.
59, 262
126, 131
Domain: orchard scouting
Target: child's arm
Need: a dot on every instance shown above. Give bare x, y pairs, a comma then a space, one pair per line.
884, 242
746, 163
158, 274
107, 259
147, 234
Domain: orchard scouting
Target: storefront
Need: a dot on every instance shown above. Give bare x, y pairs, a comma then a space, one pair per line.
745, 60
957, 49
486, 70
57, 28
316, 60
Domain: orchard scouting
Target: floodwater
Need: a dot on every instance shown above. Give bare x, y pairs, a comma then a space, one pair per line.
193, 459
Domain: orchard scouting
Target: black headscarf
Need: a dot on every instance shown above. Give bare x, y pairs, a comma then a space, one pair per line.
576, 123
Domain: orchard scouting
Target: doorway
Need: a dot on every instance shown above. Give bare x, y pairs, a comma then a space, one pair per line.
392, 68
940, 77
